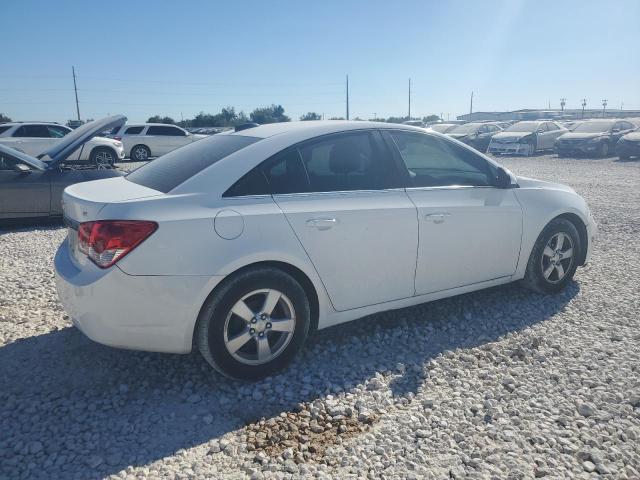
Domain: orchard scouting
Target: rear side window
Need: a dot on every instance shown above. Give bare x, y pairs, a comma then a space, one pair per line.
165, 131
4, 128
133, 131
170, 170
56, 131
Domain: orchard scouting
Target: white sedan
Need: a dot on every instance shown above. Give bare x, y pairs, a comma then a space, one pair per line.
145, 140
242, 244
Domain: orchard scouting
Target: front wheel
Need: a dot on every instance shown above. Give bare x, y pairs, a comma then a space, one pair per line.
102, 157
254, 324
554, 258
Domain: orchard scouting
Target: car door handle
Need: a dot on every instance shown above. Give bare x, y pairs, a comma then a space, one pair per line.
321, 223
437, 217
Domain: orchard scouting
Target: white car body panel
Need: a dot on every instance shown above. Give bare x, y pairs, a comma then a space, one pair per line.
381, 253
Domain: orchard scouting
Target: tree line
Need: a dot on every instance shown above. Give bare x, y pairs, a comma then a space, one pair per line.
228, 117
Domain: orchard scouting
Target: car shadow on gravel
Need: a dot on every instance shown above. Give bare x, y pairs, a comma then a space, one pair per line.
70, 406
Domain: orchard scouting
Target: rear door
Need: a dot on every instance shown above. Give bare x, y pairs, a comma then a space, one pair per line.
343, 198
163, 139
32, 139
23, 194
469, 230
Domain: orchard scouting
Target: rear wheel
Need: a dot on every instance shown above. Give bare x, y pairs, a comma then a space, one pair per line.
554, 258
254, 324
102, 157
140, 153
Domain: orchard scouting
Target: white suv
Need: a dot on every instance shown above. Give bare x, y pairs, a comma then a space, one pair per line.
144, 140
34, 138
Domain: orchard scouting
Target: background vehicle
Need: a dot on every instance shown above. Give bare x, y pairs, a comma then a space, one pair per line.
144, 140
595, 137
414, 123
526, 138
629, 145
278, 227
443, 127
30, 187
476, 135
33, 138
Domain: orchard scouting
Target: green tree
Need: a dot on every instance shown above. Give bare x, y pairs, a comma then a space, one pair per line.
430, 118
4, 118
272, 114
397, 119
336, 118
311, 116
159, 119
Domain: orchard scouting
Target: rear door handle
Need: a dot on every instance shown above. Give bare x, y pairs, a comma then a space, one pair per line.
437, 217
321, 223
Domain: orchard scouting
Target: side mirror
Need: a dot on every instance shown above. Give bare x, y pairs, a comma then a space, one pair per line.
540, 130
503, 179
615, 130
22, 168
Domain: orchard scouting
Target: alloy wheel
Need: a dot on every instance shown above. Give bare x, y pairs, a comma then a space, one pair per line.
140, 154
104, 158
557, 257
259, 326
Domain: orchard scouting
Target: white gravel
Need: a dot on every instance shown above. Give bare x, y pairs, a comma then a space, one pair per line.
502, 383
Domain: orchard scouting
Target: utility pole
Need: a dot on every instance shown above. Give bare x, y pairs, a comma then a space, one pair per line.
604, 106
549, 104
409, 116
584, 104
471, 107
347, 97
563, 102
75, 88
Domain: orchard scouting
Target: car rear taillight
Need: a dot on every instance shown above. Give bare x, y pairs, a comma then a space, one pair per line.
107, 241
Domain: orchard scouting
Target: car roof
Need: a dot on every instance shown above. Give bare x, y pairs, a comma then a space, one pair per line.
32, 123
316, 128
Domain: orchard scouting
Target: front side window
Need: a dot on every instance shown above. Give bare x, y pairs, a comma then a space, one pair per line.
435, 162
165, 131
32, 131
7, 162
56, 131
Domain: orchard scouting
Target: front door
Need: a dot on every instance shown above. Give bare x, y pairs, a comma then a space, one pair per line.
24, 194
341, 196
469, 230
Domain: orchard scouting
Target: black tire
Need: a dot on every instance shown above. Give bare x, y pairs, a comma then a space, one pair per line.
140, 153
624, 157
534, 278
216, 313
603, 149
102, 157
562, 155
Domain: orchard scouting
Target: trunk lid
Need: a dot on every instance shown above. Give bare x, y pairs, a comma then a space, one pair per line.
83, 202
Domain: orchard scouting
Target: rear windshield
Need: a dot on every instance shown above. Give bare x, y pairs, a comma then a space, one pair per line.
168, 171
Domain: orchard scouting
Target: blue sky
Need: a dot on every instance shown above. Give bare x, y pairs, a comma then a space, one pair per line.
178, 58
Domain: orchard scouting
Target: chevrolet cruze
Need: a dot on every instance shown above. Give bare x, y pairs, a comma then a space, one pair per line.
240, 245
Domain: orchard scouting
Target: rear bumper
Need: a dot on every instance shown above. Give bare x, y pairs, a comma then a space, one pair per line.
153, 313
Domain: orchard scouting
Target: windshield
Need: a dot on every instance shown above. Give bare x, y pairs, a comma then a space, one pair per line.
441, 127
466, 128
523, 127
593, 127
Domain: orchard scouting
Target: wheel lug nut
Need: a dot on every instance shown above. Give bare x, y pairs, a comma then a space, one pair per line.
268, 325
254, 320
252, 331
261, 334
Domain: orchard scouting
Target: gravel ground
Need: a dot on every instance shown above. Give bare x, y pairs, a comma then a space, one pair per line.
501, 383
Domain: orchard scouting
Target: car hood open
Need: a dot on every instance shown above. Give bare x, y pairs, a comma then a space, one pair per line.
71, 142
23, 157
